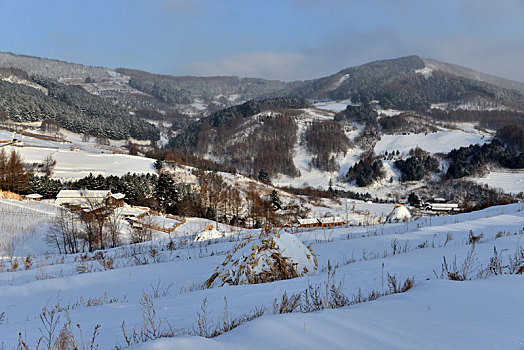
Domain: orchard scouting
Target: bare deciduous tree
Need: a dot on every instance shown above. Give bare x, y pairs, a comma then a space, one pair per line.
65, 232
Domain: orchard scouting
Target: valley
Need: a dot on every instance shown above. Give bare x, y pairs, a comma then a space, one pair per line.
377, 207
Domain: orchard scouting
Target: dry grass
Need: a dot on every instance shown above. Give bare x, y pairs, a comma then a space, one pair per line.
243, 263
19, 222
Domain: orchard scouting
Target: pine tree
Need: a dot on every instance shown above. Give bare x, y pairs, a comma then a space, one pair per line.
44, 186
159, 165
263, 177
165, 192
276, 202
413, 200
210, 213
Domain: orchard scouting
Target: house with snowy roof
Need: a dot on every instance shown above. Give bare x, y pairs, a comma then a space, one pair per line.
331, 221
308, 223
321, 222
82, 199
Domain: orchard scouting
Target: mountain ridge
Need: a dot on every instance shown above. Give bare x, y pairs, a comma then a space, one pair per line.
404, 83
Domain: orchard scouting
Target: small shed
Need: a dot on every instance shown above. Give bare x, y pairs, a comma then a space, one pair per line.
115, 199
34, 197
444, 207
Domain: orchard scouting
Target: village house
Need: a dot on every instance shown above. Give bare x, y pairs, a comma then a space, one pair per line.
88, 199
308, 223
34, 197
331, 222
321, 222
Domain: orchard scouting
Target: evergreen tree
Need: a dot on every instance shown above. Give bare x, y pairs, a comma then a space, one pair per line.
166, 192
276, 202
44, 186
413, 200
99, 183
263, 177
210, 213
159, 165
330, 185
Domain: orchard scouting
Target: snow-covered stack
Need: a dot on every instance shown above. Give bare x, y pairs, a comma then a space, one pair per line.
209, 233
266, 257
399, 213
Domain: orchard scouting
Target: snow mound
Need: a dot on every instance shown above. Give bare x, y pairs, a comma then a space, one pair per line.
266, 257
209, 233
399, 213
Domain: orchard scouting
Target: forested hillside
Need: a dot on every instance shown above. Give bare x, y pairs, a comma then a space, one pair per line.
73, 108
50, 68
399, 83
406, 83
185, 90
249, 144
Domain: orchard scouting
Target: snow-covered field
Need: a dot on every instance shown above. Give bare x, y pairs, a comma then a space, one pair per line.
428, 317
437, 142
511, 181
482, 313
78, 163
76, 158
335, 106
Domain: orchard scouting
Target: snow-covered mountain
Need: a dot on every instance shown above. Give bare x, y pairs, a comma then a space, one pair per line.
305, 133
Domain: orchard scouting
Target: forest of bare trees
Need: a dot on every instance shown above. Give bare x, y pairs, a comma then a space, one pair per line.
324, 140
494, 119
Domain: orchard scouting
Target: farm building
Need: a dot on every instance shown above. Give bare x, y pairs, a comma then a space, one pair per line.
34, 197
444, 207
321, 222
78, 199
308, 223
331, 222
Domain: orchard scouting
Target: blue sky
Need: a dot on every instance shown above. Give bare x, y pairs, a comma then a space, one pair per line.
277, 39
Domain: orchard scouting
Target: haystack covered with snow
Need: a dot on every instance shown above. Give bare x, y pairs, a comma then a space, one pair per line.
399, 213
209, 232
264, 257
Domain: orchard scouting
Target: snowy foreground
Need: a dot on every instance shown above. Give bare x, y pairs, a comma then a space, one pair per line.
434, 315
112, 289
